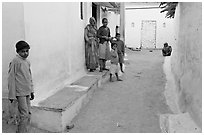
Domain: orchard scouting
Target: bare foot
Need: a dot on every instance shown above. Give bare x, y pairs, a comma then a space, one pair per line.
119, 80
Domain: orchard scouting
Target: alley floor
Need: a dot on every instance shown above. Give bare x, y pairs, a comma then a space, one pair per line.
131, 106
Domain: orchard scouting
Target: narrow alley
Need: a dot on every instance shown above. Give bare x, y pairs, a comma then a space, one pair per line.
70, 52
133, 105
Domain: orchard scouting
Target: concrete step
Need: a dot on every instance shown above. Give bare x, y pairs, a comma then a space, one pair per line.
56, 112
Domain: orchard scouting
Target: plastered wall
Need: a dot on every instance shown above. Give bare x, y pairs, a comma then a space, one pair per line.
187, 59
113, 20
12, 31
55, 33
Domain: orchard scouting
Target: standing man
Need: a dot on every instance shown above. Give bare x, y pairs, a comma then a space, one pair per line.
20, 84
104, 50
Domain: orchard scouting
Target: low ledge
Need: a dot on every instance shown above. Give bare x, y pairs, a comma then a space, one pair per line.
87, 81
61, 100
57, 111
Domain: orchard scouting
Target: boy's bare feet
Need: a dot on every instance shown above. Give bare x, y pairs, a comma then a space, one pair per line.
119, 80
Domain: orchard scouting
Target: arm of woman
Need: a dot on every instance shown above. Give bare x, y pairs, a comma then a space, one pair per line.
85, 34
99, 33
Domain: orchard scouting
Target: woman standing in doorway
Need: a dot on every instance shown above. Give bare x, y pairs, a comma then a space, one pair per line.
91, 45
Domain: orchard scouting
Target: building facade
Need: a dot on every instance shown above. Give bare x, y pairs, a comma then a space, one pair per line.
146, 27
55, 32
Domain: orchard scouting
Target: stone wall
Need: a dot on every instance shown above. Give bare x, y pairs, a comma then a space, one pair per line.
187, 58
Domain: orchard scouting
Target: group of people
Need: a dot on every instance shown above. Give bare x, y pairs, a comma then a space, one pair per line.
97, 50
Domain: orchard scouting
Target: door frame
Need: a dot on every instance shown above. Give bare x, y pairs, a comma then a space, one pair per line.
155, 31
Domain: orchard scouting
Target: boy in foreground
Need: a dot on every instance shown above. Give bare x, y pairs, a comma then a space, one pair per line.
20, 84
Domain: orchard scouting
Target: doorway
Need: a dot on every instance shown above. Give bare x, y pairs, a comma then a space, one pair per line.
94, 11
148, 34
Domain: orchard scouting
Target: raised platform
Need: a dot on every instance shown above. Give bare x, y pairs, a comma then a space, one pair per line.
56, 112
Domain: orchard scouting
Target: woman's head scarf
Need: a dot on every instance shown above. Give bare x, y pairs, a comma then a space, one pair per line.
92, 19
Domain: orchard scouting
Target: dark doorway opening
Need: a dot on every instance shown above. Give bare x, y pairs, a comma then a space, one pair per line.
94, 11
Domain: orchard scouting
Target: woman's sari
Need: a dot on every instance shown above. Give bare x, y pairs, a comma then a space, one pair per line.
91, 47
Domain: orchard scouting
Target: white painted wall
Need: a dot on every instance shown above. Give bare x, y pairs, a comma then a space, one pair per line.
57, 37
133, 34
55, 33
87, 11
113, 20
12, 31
187, 59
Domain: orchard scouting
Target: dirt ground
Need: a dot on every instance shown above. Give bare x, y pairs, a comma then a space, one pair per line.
131, 106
